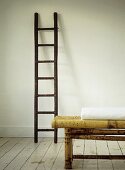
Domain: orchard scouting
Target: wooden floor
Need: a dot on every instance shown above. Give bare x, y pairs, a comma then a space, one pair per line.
23, 154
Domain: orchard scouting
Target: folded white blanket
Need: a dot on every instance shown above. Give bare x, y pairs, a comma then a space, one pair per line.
103, 113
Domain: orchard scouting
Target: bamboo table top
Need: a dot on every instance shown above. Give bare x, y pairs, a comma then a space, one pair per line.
76, 122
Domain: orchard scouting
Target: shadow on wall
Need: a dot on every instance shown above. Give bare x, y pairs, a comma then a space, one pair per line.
69, 92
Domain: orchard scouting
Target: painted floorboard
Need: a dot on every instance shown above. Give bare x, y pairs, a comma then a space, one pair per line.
114, 149
3, 141
22, 157
24, 154
90, 149
78, 149
50, 156
102, 149
7, 146
12, 154
36, 158
59, 162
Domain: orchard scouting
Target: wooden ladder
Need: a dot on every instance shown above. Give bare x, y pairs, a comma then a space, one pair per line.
37, 78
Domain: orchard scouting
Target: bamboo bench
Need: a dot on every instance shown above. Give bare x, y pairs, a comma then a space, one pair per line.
75, 128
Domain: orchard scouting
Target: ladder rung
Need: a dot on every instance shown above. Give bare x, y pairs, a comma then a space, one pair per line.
45, 95
46, 61
45, 45
45, 112
45, 130
45, 29
45, 78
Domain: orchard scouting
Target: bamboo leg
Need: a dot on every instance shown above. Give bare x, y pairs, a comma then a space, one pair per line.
68, 150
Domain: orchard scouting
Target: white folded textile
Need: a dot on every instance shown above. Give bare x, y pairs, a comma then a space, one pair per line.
103, 113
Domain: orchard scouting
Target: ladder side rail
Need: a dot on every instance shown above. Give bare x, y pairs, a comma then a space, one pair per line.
55, 71
36, 78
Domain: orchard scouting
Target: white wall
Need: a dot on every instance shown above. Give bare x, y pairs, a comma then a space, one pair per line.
91, 58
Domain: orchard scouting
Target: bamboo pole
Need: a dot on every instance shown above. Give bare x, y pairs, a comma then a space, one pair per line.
68, 150
95, 137
76, 122
98, 156
97, 131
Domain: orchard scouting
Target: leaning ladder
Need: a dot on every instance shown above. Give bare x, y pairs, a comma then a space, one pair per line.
37, 78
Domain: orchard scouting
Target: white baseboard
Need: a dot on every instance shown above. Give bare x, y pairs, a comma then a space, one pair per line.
25, 132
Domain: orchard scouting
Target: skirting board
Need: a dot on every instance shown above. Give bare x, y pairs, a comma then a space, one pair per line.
25, 132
